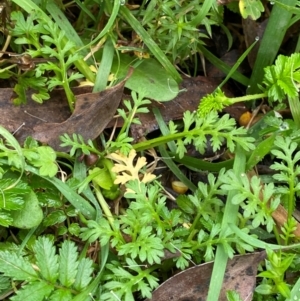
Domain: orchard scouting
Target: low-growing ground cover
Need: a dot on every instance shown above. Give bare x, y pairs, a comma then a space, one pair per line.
167, 148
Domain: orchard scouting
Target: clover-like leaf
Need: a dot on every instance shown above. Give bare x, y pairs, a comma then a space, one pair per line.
46, 161
251, 8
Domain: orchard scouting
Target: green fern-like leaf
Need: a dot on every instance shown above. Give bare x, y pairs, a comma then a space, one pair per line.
49, 276
124, 283
61, 295
221, 130
147, 247
4, 284
68, 264
280, 79
47, 261
34, 291
16, 267
83, 276
77, 142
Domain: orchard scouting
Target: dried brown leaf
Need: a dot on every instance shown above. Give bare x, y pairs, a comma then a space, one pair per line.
193, 283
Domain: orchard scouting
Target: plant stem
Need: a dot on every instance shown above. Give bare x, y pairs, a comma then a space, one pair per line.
29, 6
276, 233
192, 232
248, 97
291, 199
104, 205
128, 120
69, 94
65, 83
165, 139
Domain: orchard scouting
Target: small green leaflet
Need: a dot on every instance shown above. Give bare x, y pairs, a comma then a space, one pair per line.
251, 8
46, 161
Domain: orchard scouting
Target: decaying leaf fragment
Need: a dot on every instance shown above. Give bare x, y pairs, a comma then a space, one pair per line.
128, 170
92, 113
46, 122
193, 283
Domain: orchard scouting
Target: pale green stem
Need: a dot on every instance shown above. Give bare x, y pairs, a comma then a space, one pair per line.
104, 205
192, 232
230, 216
248, 97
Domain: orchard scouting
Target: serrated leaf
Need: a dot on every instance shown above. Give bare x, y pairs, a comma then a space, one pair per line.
74, 229
147, 247
68, 46
28, 80
68, 263
53, 82
72, 59
36, 291
16, 267
5, 283
40, 97
22, 40
96, 230
279, 78
279, 166
83, 276
23, 27
50, 40
46, 161
54, 217
5, 219
145, 289
61, 295
49, 66
47, 261
236, 199
21, 92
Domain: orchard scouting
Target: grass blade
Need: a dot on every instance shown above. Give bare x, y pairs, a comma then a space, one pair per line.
237, 64
224, 67
174, 168
109, 24
63, 23
75, 199
230, 216
163, 128
105, 66
206, 6
153, 47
